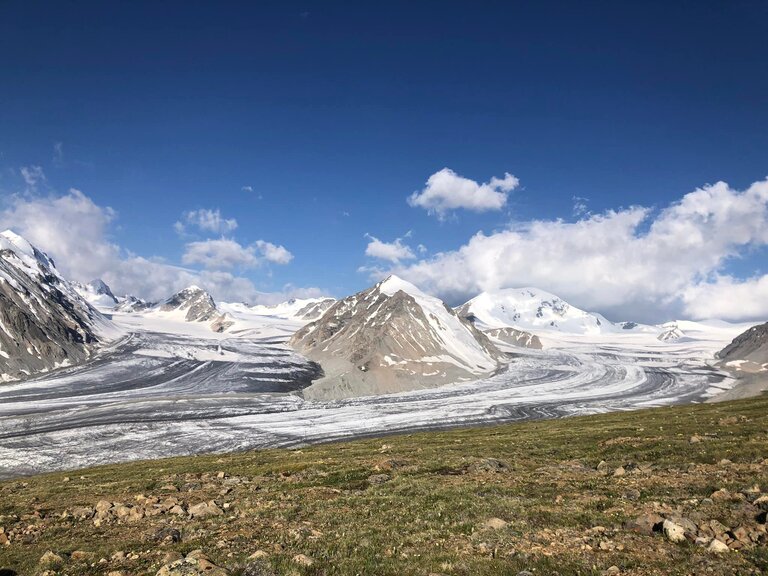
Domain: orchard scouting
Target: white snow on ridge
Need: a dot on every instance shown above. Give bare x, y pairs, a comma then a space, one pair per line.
533, 310
458, 340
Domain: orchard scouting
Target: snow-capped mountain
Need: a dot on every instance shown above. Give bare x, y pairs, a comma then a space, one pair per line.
299, 309
670, 332
515, 337
192, 303
532, 310
97, 293
393, 337
44, 322
130, 304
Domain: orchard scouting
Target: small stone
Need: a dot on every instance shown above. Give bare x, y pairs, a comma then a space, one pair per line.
673, 532
645, 524
602, 466
303, 560
717, 547
50, 559
495, 523
619, 471
612, 570
258, 555
205, 509
79, 555
694, 439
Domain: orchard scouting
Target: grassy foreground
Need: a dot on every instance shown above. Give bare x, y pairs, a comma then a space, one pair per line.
495, 500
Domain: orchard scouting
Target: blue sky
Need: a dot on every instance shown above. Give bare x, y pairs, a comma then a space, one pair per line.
311, 124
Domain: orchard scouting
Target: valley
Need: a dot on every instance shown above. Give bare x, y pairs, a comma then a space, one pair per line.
157, 393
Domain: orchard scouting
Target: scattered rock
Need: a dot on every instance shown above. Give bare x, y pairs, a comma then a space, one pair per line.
258, 555
205, 509
620, 471
50, 560
496, 523
717, 546
694, 439
673, 532
612, 570
646, 524
196, 563
303, 560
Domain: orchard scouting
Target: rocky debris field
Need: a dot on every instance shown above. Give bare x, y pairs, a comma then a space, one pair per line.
679, 490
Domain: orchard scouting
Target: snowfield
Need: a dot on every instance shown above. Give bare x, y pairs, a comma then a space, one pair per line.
173, 388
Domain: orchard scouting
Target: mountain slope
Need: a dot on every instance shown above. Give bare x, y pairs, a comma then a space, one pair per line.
97, 293
44, 322
299, 309
750, 347
531, 309
389, 338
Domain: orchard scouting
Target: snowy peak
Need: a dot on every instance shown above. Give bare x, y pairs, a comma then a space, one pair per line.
532, 309
393, 284
18, 252
197, 304
298, 309
97, 293
393, 337
44, 322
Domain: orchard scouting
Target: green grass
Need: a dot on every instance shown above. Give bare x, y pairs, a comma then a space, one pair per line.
429, 518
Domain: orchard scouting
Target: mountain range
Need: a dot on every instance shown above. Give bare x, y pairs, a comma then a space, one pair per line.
390, 337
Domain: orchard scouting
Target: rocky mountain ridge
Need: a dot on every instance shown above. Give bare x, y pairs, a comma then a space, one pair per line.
44, 322
393, 337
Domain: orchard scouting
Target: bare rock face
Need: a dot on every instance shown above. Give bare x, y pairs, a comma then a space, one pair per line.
515, 337
44, 322
196, 302
750, 346
314, 310
389, 338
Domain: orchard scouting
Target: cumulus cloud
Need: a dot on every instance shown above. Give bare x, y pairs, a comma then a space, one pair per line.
205, 220
225, 253
633, 263
391, 251
446, 191
273, 253
74, 230
222, 253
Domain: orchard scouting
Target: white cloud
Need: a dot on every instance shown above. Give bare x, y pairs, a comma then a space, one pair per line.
74, 231
220, 254
446, 191
273, 253
32, 175
728, 297
247, 189
225, 253
205, 220
628, 264
391, 251
71, 228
